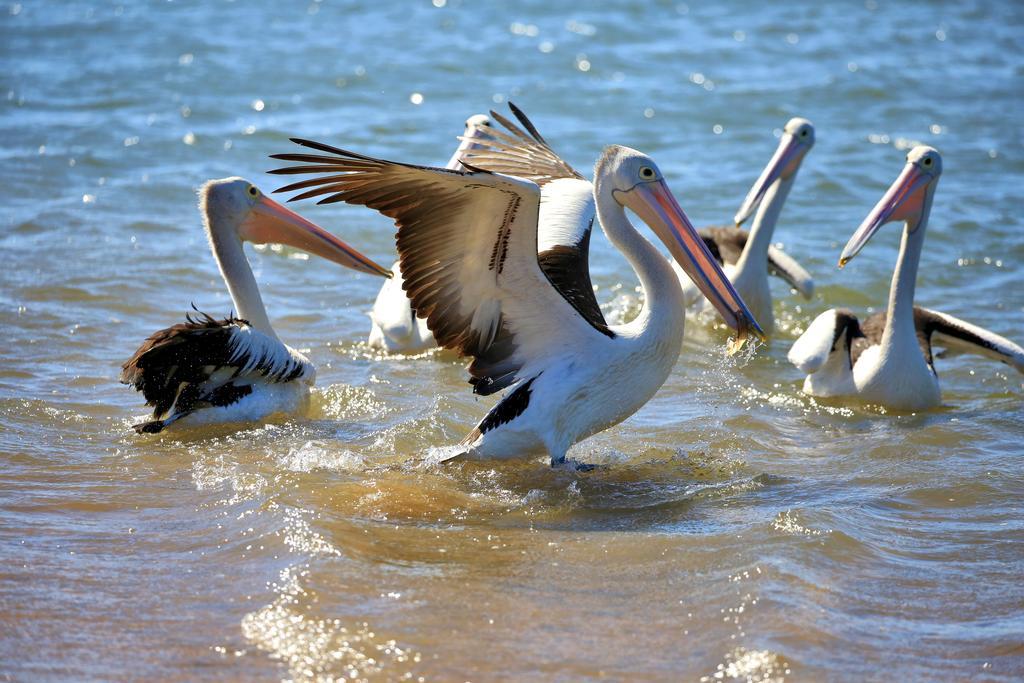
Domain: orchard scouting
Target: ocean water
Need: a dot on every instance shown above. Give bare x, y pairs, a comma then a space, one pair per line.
735, 529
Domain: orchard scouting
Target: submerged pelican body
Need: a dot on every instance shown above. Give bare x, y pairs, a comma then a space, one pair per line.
206, 371
888, 359
468, 246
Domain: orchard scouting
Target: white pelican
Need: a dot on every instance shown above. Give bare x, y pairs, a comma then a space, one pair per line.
205, 371
467, 242
888, 360
394, 326
749, 257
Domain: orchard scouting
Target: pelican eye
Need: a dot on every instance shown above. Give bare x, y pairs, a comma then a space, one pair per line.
803, 133
647, 172
253, 192
927, 161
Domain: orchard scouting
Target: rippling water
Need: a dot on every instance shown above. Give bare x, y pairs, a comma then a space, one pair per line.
737, 530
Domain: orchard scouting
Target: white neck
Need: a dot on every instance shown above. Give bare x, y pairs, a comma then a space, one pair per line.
664, 304
899, 327
755, 254
234, 268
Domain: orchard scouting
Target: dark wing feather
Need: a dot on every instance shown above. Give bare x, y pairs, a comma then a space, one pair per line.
958, 336
726, 243
568, 269
178, 354
874, 327
189, 354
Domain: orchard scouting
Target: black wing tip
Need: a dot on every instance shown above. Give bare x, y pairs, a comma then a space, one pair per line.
323, 147
527, 123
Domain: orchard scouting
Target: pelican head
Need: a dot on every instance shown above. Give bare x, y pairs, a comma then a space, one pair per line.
908, 199
637, 183
237, 205
478, 127
796, 141
477, 121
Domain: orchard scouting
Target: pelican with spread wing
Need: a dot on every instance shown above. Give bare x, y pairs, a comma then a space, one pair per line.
468, 248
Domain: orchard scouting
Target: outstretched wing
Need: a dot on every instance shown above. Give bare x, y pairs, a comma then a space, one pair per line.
467, 244
781, 264
725, 243
955, 335
958, 336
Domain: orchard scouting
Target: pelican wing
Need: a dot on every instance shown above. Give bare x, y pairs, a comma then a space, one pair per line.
874, 329
467, 244
567, 207
958, 336
202, 355
727, 243
781, 264
518, 153
955, 335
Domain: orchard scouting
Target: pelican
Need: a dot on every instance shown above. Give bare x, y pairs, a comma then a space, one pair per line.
835, 341
748, 258
394, 325
888, 360
468, 245
206, 371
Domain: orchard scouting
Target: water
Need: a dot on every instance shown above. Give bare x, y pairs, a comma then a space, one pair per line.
737, 529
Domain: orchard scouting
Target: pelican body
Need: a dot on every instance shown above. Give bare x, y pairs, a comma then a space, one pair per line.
748, 258
468, 246
206, 371
888, 360
834, 343
394, 326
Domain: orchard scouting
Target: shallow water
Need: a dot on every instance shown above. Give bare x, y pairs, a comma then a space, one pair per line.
735, 528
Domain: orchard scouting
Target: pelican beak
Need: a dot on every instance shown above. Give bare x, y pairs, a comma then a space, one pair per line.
784, 164
654, 203
269, 222
902, 202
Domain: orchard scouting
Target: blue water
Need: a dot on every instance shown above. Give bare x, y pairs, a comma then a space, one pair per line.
738, 528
